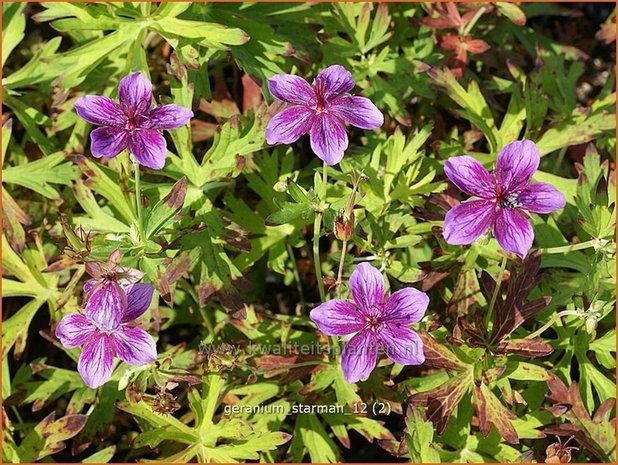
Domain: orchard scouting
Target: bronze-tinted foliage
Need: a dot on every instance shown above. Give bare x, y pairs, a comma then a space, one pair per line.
597, 434
510, 312
513, 310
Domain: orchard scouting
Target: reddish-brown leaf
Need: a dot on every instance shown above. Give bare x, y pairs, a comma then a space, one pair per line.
490, 412
465, 293
526, 347
512, 311
441, 402
251, 95
437, 355
595, 434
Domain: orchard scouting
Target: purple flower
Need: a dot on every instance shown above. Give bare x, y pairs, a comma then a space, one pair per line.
132, 123
102, 340
374, 320
502, 200
106, 299
321, 109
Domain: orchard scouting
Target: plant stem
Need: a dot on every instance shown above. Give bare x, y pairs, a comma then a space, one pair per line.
551, 321
317, 227
559, 159
138, 201
299, 285
494, 296
569, 248
344, 245
473, 21
298, 365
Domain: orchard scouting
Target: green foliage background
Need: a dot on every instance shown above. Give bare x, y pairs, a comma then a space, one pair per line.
231, 261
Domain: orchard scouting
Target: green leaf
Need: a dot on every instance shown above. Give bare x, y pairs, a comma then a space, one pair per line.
102, 456
513, 12
419, 438
165, 210
15, 328
143, 410
525, 371
473, 105
13, 27
207, 34
248, 449
310, 435
47, 437
38, 175
290, 212
579, 129
57, 382
105, 182
31, 119
36, 70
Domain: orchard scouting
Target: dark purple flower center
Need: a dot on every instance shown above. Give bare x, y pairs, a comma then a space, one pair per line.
131, 118
321, 106
373, 319
509, 201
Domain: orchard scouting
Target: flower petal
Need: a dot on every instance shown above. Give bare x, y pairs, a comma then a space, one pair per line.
89, 285
106, 305
357, 111
139, 297
513, 231
74, 330
405, 306
108, 142
337, 318
359, 357
477, 46
540, 197
167, 117
134, 345
288, 125
470, 176
402, 345
466, 222
329, 139
96, 361
333, 81
516, 164
135, 92
100, 110
291, 89
367, 288
149, 148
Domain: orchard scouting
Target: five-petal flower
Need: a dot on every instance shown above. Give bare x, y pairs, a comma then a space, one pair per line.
132, 123
322, 110
502, 200
103, 340
375, 321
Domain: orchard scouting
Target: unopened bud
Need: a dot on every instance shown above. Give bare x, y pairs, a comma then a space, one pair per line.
344, 225
591, 324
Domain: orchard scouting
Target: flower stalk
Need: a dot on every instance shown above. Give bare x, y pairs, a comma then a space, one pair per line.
494, 296
138, 201
571, 248
344, 228
317, 227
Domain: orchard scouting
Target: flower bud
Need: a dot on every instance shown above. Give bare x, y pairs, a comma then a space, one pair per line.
344, 225
591, 323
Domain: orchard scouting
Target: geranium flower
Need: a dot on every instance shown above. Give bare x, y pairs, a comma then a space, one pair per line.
502, 200
374, 321
321, 109
103, 340
105, 296
132, 123
460, 47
